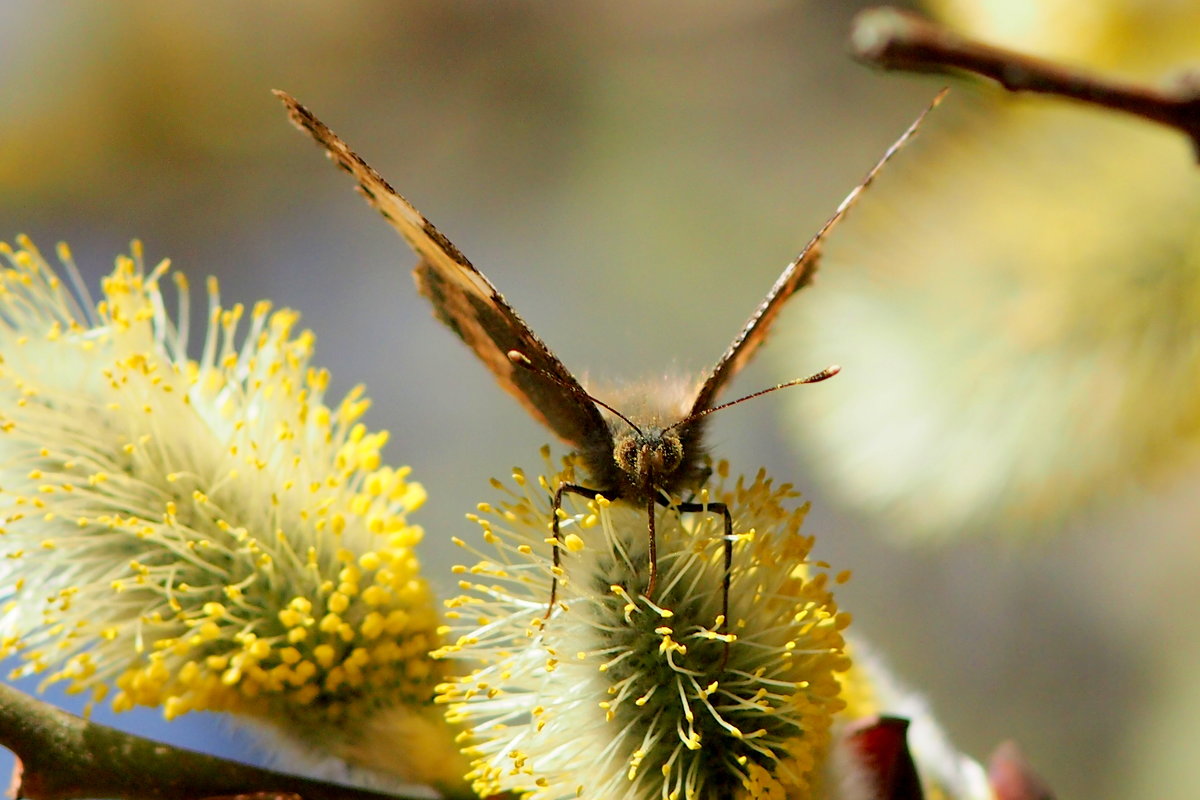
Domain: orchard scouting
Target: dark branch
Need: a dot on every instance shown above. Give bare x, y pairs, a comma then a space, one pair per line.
62, 757
893, 39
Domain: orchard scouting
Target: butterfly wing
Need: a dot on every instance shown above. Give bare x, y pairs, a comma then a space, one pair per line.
467, 302
796, 276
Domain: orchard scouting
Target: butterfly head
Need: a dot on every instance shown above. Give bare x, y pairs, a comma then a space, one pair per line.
648, 457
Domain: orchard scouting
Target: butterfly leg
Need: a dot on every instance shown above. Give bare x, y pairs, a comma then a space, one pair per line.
653, 547
563, 488
723, 510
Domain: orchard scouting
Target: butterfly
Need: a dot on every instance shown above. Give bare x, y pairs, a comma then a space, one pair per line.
645, 461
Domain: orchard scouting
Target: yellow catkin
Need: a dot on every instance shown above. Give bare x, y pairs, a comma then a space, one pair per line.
256, 550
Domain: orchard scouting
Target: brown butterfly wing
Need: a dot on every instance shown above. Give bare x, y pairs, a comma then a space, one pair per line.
491, 328
796, 276
467, 302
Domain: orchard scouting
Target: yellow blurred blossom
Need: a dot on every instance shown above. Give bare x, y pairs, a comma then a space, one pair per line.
1014, 304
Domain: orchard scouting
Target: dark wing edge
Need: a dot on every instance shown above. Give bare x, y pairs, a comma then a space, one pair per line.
795, 276
466, 301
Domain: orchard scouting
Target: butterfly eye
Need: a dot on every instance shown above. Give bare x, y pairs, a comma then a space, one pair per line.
670, 450
626, 450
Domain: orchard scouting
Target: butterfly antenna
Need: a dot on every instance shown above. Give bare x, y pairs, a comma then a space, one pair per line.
824, 374
522, 360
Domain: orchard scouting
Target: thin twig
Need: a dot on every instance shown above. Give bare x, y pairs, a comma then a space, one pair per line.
63, 757
893, 39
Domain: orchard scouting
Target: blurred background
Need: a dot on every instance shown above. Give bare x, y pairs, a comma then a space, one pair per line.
634, 177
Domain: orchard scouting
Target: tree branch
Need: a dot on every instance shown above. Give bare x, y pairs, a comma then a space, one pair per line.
63, 757
893, 39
